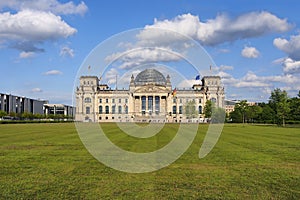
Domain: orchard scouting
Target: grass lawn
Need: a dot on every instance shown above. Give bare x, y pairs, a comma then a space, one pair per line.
48, 161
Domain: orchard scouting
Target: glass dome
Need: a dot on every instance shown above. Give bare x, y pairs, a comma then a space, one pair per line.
151, 76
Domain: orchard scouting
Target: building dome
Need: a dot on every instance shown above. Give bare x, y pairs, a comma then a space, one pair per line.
150, 76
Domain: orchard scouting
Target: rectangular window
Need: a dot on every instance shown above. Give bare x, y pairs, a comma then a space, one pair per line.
150, 104
87, 110
126, 100
200, 101
174, 109
180, 100
126, 109
143, 103
113, 100
106, 100
100, 100
120, 100
174, 100
157, 104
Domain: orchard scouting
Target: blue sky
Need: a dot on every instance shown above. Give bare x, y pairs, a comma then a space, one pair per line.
255, 45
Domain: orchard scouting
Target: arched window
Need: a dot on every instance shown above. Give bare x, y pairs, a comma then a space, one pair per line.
180, 109
126, 109
106, 109
100, 110
87, 100
200, 109
214, 100
113, 108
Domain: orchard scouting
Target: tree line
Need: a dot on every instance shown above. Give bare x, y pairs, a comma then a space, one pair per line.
280, 109
31, 116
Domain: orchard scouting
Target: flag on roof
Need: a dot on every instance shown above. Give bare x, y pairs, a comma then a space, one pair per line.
198, 77
174, 92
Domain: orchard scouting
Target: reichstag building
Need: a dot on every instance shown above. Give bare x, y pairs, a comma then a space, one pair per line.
149, 98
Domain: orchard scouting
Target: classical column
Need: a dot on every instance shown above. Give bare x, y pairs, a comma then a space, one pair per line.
146, 110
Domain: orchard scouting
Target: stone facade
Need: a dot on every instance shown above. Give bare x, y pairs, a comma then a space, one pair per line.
149, 98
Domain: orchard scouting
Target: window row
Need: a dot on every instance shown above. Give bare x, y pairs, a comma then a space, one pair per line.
181, 100
106, 100
188, 110
114, 109
87, 82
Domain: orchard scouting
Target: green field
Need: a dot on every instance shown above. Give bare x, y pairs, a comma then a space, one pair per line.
48, 161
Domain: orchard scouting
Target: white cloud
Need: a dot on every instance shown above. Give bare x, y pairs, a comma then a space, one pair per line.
139, 56
28, 28
46, 5
36, 90
290, 47
290, 66
251, 80
225, 68
278, 61
53, 72
25, 54
66, 51
111, 76
250, 52
216, 31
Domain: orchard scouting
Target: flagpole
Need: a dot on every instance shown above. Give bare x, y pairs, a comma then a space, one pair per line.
116, 81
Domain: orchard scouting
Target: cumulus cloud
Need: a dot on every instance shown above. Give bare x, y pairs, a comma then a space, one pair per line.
139, 56
46, 5
251, 80
28, 28
53, 72
25, 54
291, 67
250, 52
290, 47
36, 90
66, 51
216, 31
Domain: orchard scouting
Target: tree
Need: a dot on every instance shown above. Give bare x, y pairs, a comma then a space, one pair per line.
267, 114
12, 114
218, 115
236, 116
27, 115
2, 113
190, 109
294, 104
208, 109
253, 113
279, 102
242, 106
